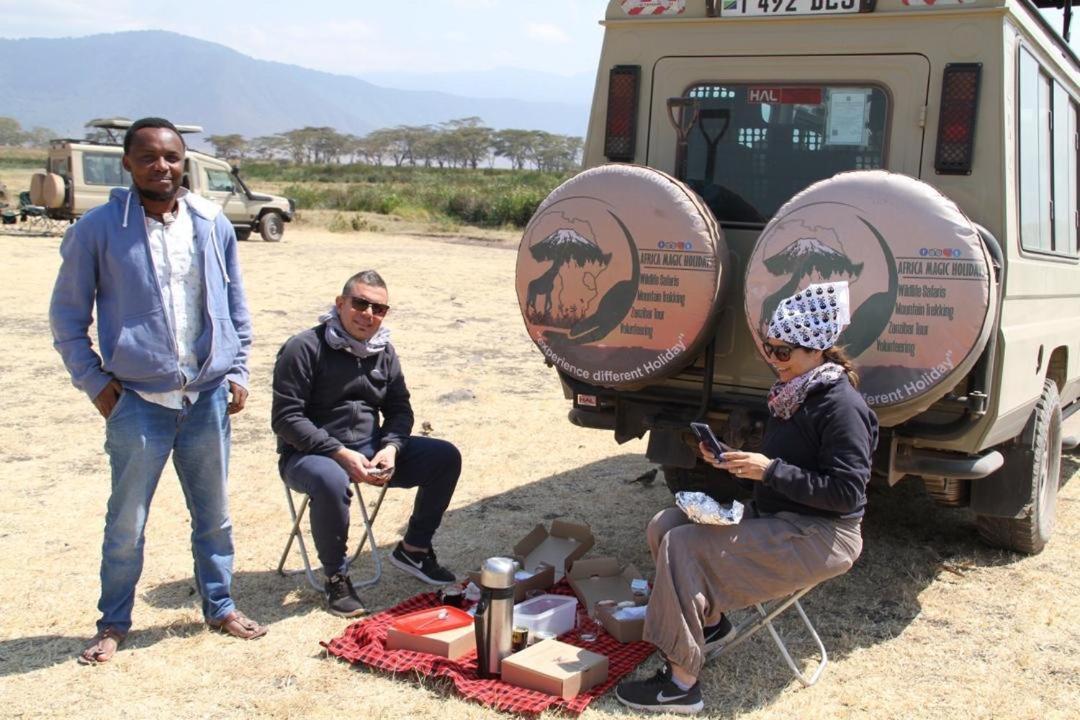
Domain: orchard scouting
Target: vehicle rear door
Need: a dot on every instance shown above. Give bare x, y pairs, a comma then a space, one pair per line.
756, 130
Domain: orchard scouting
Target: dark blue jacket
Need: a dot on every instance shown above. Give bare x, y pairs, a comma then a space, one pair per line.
325, 399
822, 455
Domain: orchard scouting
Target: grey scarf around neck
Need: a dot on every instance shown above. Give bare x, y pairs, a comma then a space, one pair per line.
339, 339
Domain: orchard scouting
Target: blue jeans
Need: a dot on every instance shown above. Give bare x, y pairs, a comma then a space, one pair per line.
431, 465
139, 437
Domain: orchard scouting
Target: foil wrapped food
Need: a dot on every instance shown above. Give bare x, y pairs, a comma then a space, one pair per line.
701, 508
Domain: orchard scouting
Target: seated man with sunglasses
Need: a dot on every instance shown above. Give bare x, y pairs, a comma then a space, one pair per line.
341, 412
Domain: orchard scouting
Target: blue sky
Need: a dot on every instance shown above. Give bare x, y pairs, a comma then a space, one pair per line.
348, 37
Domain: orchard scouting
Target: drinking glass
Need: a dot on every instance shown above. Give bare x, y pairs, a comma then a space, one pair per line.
588, 627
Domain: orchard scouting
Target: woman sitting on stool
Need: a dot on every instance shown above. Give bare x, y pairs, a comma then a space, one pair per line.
803, 525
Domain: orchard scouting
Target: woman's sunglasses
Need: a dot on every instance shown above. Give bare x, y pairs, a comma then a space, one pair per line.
360, 305
780, 352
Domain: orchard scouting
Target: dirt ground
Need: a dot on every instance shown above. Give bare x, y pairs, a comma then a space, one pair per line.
929, 623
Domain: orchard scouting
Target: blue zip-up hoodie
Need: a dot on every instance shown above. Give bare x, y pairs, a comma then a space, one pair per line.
106, 259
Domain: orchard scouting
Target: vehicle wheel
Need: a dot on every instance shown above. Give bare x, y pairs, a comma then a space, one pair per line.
1030, 533
271, 227
243, 234
703, 478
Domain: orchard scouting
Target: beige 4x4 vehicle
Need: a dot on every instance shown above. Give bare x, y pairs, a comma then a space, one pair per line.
720, 151
80, 174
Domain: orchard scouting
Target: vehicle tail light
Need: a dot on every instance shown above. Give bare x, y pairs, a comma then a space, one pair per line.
956, 124
621, 126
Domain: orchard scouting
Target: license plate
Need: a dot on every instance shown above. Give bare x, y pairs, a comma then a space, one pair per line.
780, 8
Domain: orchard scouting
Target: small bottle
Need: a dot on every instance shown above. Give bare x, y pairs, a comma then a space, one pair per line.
519, 638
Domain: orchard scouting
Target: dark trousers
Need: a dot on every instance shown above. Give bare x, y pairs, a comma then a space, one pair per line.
431, 465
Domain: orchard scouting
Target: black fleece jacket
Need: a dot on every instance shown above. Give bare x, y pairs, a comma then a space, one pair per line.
822, 455
326, 398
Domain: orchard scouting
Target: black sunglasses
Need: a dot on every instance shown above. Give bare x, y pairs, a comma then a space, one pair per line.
360, 305
780, 352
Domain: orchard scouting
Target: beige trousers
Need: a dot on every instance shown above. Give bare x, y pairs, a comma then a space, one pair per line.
704, 570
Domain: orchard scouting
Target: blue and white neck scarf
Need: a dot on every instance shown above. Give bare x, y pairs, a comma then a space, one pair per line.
338, 338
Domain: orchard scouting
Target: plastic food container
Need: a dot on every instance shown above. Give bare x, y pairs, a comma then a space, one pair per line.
547, 614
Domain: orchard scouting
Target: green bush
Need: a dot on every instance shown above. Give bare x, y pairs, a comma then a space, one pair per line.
486, 197
307, 197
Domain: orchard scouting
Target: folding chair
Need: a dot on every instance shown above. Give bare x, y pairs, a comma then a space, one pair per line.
766, 613
36, 217
32, 215
369, 536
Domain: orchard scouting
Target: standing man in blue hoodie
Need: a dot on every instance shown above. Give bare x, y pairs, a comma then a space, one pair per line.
174, 335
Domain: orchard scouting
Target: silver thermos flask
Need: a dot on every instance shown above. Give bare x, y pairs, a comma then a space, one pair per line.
494, 615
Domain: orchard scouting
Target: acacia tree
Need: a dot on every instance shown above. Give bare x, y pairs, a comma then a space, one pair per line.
268, 147
427, 146
514, 145
371, 148
11, 132
555, 153
230, 147
469, 139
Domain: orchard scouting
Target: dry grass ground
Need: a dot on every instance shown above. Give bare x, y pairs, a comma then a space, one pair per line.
929, 623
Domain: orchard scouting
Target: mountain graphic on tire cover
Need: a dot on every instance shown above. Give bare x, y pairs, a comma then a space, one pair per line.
613, 306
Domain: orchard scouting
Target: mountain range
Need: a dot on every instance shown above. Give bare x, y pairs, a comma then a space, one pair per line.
61, 83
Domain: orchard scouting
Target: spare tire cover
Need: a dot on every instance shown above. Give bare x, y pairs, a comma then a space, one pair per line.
923, 292
619, 274
52, 191
37, 188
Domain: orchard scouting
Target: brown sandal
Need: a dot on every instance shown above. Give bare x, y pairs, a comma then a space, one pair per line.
102, 648
238, 625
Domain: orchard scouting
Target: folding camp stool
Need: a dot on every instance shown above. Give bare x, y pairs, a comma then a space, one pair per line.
766, 613
369, 536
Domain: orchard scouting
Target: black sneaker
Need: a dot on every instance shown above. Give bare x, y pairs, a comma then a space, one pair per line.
718, 635
341, 597
660, 694
422, 565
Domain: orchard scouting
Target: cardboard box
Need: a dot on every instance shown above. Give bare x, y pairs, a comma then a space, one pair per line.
555, 668
547, 554
559, 547
601, 578
622, 630
450, 644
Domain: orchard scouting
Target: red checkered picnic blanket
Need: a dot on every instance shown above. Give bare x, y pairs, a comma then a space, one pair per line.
365, 642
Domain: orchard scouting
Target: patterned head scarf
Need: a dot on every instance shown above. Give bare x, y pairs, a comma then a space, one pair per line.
813, 317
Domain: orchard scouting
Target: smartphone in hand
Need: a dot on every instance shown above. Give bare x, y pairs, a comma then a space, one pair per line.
705, 434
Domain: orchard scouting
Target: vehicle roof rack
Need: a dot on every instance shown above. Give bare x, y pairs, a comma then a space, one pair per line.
1066, 6
120, 123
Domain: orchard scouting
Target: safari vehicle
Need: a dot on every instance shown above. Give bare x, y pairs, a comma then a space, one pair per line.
969, 106
80, 174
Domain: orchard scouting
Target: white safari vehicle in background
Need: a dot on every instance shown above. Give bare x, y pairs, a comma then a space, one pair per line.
719, 157
79, 175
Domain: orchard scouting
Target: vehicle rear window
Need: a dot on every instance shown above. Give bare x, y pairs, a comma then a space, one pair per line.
104, 169
750, 147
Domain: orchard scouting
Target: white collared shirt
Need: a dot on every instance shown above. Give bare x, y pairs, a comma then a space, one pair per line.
179, 271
